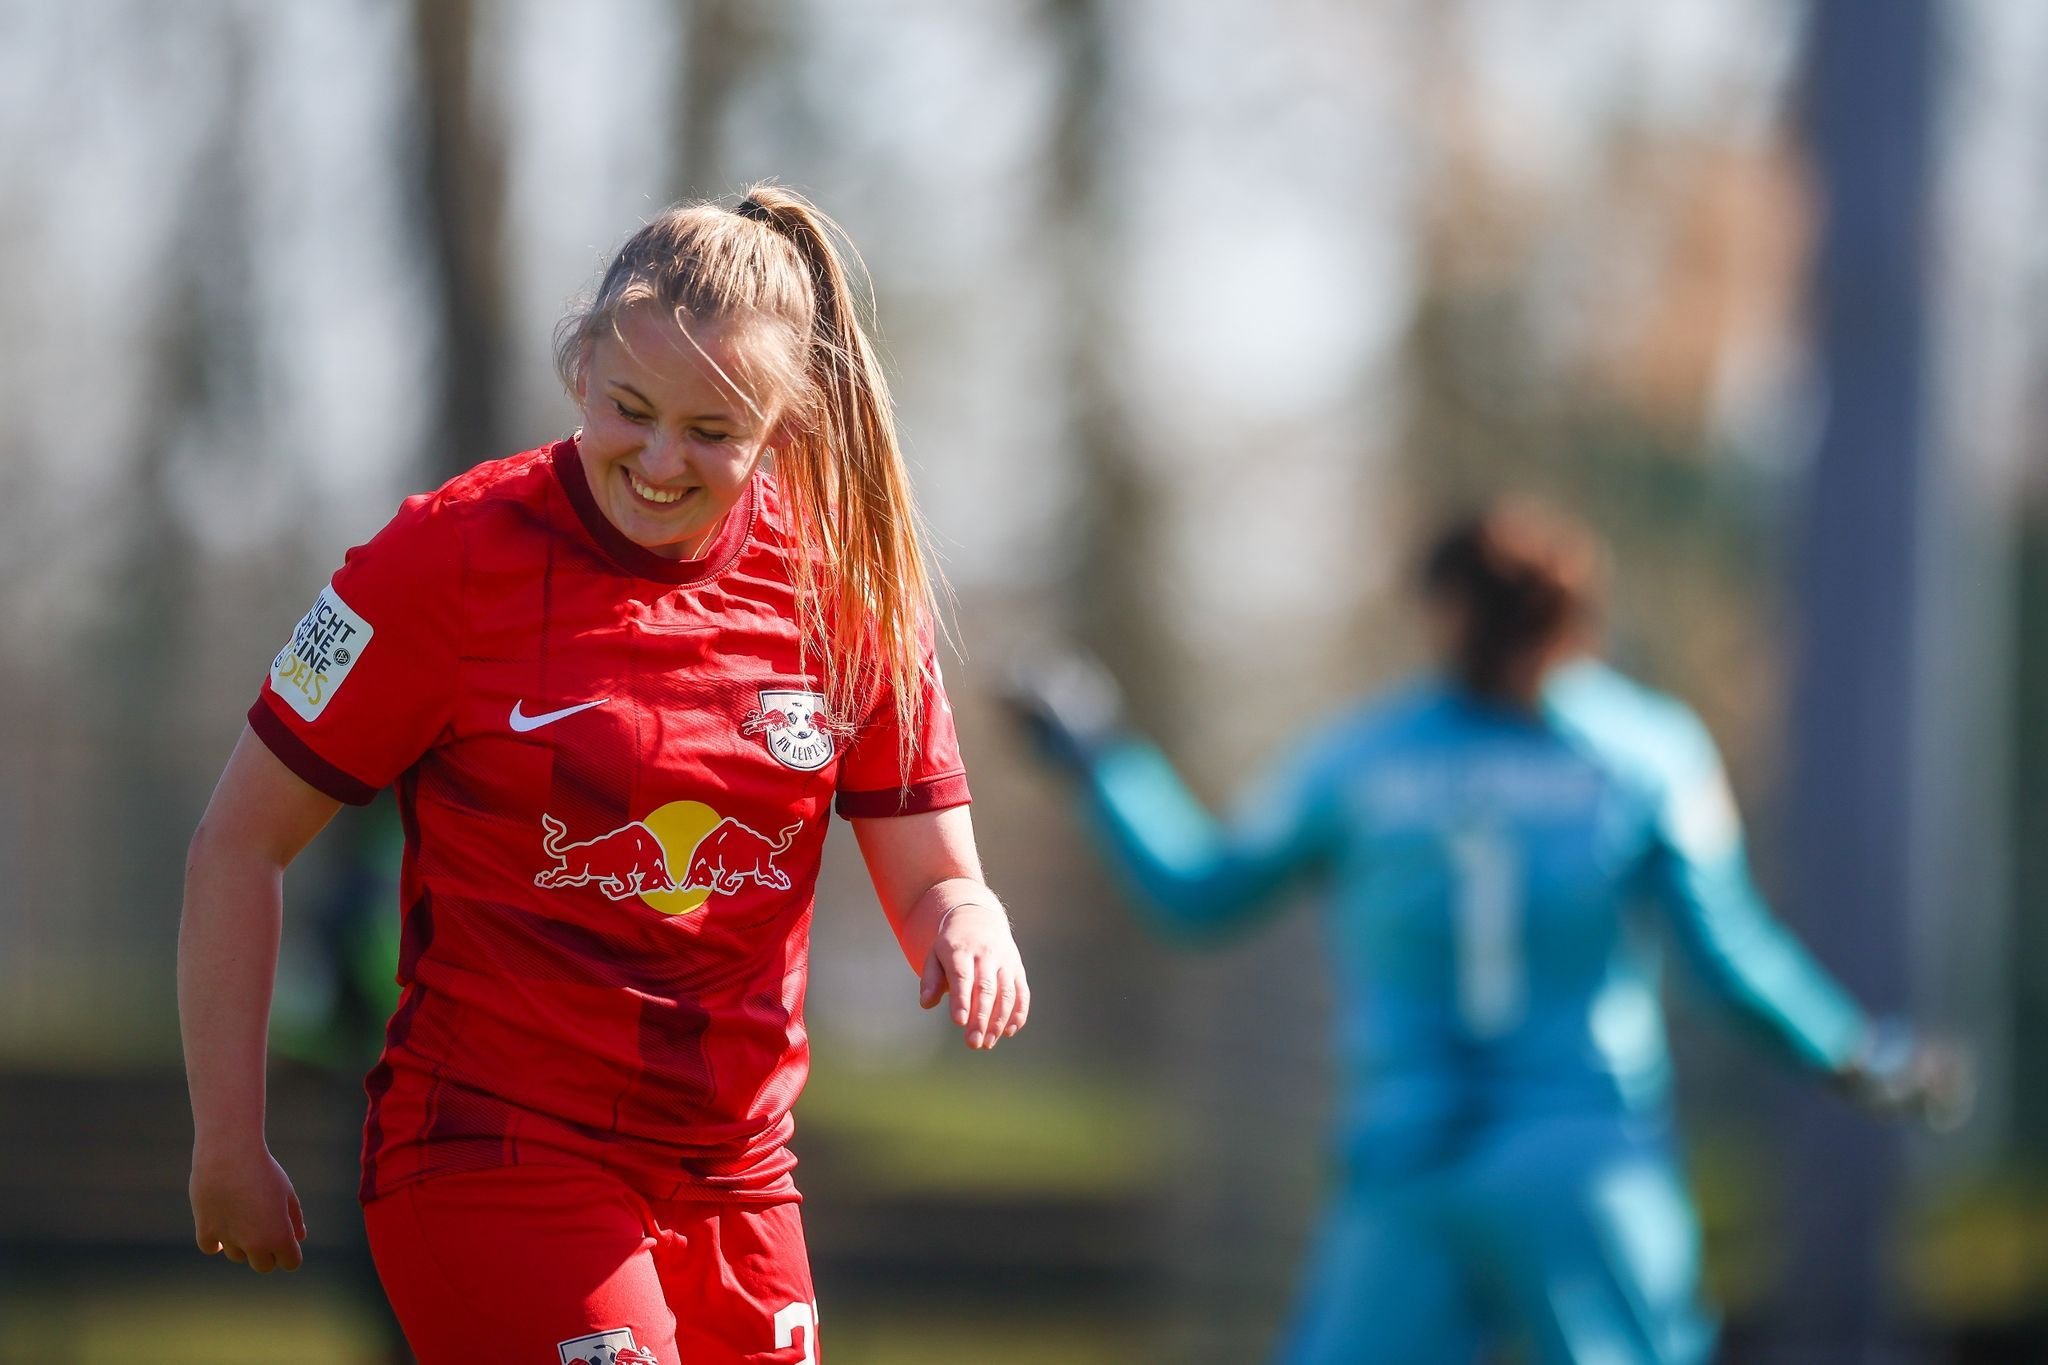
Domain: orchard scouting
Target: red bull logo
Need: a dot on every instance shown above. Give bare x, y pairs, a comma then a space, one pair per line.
732, 855
717, 854
626, 862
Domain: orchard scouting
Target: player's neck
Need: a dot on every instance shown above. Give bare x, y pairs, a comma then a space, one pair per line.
696, 545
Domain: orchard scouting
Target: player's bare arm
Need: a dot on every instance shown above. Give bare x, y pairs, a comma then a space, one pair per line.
260, 816
952, 928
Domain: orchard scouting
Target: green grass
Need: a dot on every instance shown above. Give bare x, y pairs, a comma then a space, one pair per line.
247, 1324
962, 1129
1013, 1339
279, 1318
1980, 1253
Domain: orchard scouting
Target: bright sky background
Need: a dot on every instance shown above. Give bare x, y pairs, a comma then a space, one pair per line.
1271, 159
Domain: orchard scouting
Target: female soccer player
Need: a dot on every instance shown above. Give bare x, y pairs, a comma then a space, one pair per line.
1494, 841
618, 681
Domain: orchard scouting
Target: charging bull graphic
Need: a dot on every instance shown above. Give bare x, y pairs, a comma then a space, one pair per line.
626, 862
731, 855
718, 855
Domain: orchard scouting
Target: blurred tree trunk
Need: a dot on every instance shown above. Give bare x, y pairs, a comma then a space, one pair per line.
1105, 601
1856, 711
1220, 1217
462, 192
2028, 816
207, 378
1111, 592
718, 43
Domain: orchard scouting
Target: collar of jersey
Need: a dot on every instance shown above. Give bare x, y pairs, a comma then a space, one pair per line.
638, 559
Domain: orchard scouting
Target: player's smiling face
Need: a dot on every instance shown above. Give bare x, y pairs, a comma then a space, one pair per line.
674, 424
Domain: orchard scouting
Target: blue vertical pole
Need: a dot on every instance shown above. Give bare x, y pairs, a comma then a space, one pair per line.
1854, 708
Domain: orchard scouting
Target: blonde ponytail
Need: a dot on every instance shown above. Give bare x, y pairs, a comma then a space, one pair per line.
866, 579
866, 601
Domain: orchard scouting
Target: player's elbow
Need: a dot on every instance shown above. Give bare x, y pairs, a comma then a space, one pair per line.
221, 847
204, 850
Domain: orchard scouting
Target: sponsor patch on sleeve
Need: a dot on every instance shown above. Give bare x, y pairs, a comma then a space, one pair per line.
324, 647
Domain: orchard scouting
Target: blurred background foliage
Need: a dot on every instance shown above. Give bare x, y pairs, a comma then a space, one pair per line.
1200, 315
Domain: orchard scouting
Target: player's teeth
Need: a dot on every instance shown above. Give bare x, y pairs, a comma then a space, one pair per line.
651, 493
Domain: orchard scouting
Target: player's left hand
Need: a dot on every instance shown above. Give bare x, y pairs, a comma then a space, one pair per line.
975, 961
1899, 1074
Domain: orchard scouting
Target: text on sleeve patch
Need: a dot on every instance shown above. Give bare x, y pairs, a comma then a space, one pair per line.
324, 647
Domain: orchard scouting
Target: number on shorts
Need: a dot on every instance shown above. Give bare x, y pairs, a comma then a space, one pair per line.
1491, 981
799, 1316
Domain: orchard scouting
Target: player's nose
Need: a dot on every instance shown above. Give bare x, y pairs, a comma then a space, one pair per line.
665, 459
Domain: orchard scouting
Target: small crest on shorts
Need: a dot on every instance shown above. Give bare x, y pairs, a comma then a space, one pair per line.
615, 1347
796, 726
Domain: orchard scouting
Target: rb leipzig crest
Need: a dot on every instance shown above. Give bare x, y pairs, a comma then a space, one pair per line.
615, 1347
796, 726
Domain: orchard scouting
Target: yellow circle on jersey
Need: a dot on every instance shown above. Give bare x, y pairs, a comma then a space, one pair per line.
680, 825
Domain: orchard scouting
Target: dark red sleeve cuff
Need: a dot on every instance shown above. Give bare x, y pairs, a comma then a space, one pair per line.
933, 793
297, 755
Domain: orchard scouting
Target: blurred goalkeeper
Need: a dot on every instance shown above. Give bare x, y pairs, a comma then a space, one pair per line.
1497, 842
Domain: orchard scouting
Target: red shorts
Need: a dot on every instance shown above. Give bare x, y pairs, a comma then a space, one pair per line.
548, 1265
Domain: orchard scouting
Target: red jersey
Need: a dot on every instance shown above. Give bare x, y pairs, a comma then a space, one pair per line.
614, 781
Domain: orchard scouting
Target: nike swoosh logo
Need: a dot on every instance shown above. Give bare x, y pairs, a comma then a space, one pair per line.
523, 722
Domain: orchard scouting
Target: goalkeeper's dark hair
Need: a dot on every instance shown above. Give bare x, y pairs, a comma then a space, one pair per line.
1524, 582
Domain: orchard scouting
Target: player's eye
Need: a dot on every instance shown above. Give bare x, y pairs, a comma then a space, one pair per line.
630, 414
712, 437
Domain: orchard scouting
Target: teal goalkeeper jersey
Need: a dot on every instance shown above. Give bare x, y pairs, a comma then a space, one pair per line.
1498, 887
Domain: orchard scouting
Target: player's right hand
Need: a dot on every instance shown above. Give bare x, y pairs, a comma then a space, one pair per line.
244, 1208
1900, 1075
975, 960
1066, 703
